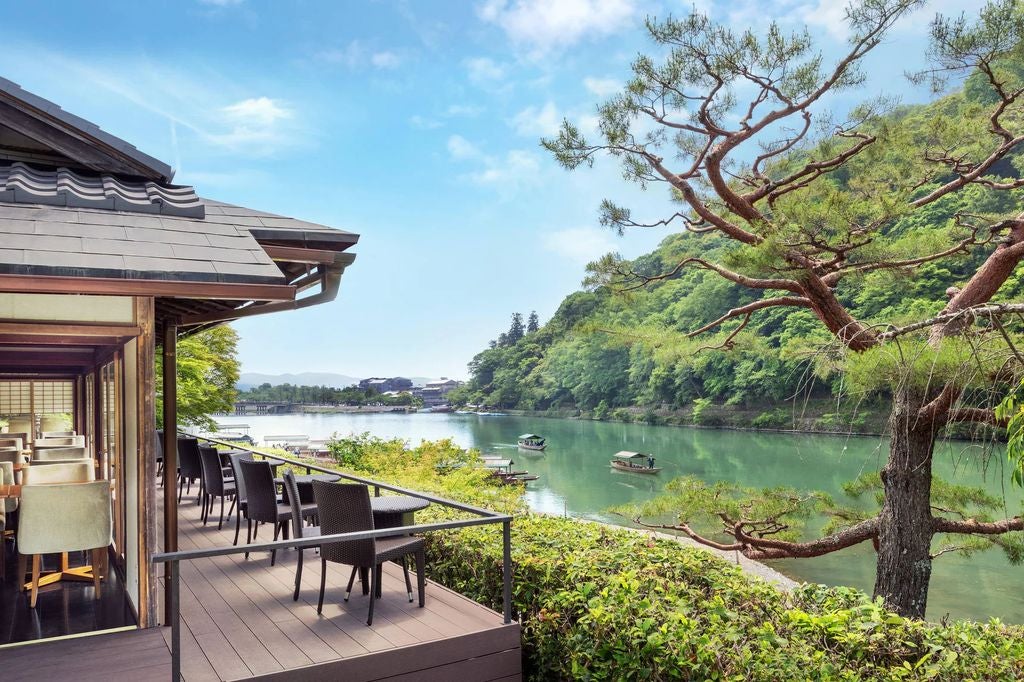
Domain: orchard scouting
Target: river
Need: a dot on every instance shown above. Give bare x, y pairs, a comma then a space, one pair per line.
575, 480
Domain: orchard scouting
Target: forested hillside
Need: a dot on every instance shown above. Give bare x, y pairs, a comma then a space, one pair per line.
608, 348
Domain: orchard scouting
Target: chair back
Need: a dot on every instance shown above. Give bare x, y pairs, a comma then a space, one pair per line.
58, 434
345, 508
23, 424
189, 464
260, 491
7, 478
235, 458
60, 442
213, 474
50, 454
7, 441
291, 488
68, 517
58, 472
13, 456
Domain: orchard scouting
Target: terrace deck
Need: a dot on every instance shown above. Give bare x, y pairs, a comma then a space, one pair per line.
239, 622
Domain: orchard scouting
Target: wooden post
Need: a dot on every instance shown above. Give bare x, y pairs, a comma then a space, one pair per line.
170, 386
146, 452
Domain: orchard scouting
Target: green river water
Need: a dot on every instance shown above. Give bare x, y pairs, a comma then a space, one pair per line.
575, 480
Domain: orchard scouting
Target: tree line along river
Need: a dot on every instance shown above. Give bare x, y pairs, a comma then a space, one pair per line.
575, 480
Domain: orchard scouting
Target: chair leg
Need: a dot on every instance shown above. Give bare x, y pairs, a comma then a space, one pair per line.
248, 534
380, 579
22, 567
421, 578
408, 583
220, 521
374, 585
323, 585
181, 488
35, 581
351, 579
298, 576
231, 509
97, 563
273, 552
238, 527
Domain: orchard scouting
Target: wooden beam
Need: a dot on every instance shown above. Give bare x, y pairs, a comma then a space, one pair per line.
113, 286
62, 329
170, 386
146, 452
294, 254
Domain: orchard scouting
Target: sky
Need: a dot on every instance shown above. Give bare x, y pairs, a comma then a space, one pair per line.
413, 123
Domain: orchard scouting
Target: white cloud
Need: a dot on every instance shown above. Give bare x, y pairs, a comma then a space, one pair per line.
534, 122
485, 72
461, 148
580, 245
252, 122
385, 60
356, 55
424, 123
463, 110
543, 25
602, 87
828, 15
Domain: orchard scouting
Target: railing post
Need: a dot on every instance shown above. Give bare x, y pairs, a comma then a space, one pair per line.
506, 569
376, 491
174, 614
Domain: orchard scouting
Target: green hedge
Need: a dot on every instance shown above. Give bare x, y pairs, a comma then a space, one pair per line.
598, 603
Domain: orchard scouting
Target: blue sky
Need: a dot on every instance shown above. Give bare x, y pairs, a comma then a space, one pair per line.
415, 124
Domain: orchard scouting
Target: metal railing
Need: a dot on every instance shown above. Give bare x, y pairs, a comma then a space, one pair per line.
173, 559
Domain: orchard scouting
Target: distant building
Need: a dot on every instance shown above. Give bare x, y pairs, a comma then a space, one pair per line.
382, 385
436, 392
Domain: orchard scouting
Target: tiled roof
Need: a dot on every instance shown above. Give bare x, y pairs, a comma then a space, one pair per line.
9, 90
79, 242
23, 184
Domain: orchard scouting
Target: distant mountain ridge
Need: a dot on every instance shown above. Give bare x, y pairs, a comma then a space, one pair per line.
249, 379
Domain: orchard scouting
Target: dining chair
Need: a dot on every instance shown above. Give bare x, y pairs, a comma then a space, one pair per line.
263, 505
190, 467
345, 508
70, 517
11, 441
299, 529
60, 442
24, 425
58, 434
240, 496
9, 506
58, 472
60, 453
214, 484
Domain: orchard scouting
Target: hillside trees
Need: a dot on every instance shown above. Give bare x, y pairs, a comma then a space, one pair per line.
814, 210
207, 371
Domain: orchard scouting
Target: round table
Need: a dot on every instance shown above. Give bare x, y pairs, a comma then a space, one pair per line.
392, 511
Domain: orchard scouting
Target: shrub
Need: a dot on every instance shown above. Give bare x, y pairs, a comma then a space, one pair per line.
773, 419
600, 603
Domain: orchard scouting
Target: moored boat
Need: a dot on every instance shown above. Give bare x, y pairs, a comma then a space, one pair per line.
531, 441
635, 462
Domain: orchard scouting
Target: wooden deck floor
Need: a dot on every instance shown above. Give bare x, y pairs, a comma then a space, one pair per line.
239, 622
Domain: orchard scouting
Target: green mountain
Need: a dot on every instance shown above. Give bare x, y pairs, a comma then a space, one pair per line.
606, 349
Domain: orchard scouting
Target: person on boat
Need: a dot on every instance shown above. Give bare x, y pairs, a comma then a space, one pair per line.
650, 461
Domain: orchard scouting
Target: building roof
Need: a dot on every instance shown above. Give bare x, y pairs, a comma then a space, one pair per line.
19, 108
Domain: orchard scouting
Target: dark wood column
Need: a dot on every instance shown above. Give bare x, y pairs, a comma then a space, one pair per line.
170, 391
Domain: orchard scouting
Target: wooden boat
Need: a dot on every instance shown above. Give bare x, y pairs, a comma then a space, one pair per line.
531, 441
635, 462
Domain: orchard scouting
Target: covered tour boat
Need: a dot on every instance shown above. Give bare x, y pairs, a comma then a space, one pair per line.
531, 441
636, 462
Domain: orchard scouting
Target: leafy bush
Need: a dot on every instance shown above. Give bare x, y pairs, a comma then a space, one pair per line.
774, 419
600, 603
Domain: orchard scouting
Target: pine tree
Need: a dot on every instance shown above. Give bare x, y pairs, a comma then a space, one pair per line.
532, 322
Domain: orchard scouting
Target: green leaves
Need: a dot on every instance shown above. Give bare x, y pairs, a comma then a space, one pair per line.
207, 371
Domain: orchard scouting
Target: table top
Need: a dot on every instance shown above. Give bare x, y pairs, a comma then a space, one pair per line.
397, 504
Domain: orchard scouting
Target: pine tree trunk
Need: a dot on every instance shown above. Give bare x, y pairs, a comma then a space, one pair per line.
905, 523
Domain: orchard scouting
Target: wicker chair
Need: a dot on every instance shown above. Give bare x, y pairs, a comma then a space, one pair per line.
345, 508
299, 529
262, 504
240, 496
214, 484
190, 467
